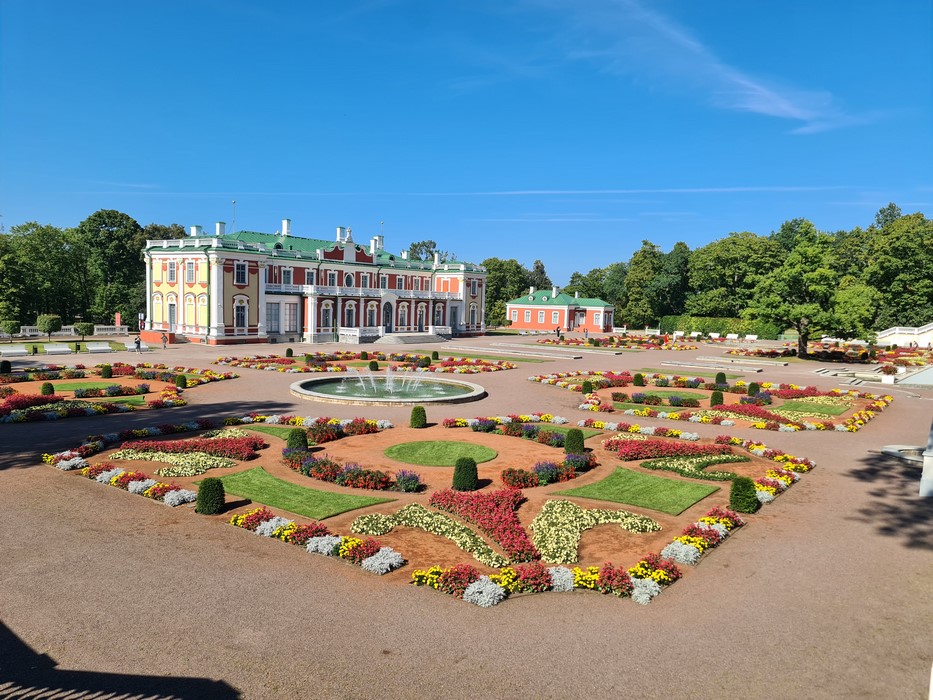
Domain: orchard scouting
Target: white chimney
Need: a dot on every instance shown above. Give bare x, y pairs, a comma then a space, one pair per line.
341, 233
380, 242
373, 242
404, 255
195, 230
286, 227
437, 259
532, 290
221, 228
576, 295
553, 291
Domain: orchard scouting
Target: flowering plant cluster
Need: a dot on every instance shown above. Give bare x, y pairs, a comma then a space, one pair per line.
651, 342
168, 398
631, 450
242, 448
58, 408
774, 482
277, 363
544, 473
707, 532
43, 374
494, 514
788, 461
695, 467
112, 390
592, 402
490, 423
417, 516
138, 483
350, 475
459, 365
559, 525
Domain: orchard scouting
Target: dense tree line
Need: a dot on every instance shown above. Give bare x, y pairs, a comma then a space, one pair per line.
89, 272
845, 283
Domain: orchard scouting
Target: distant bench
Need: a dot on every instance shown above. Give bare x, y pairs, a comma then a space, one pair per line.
99, 347
57, 349
13, 350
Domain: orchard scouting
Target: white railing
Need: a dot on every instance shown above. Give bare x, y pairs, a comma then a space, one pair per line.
111, 330
905, 330
440, 330
33, 330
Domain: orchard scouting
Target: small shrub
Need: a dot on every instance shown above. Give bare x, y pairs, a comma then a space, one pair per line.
720, 378
373, 366
407, 481
106, 371
289, 352
753, 388
181, 381
619, 396
586, 387
742, 498
435, 355
715, 398
364, 355
638, 379
465, 475
419, 418
210, 496
47, 389
5, 367
573, 443
424, 361
297, 439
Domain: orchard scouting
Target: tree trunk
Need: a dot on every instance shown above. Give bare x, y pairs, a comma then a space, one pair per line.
803, 337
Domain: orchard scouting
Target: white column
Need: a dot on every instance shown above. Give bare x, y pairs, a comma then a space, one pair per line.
215, 299
313, 329
261, 281
149, 292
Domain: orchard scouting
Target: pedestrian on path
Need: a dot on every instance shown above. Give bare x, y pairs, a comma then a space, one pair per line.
137, 342
164, 341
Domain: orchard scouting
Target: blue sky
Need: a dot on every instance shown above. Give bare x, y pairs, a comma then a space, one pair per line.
565, 130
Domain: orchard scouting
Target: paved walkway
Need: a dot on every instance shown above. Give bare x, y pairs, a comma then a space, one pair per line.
827, 594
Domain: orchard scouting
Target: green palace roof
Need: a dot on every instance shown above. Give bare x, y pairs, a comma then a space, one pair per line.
544, 297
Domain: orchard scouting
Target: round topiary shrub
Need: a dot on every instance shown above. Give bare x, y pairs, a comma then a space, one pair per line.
181, 381
47, 389
753, 388
424, 361
289, 352
435, 355
715, 399
5, 367
297, 439
210, 496
419, 419
573, 443
742, 498
364, 355
308, 358
586, 387
465, 475
720, 377
106, 371
373, 366
638, 379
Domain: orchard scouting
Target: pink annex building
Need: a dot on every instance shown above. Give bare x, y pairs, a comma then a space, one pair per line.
547, 309
248, 287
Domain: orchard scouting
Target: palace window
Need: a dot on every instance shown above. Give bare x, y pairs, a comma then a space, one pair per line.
527, 317
555, 317
331, 279
400, 282
348, 280
272, 317
239, 273
514, 315
171, 272
597, 317
286, 275
291, 318
473, 287
189, 272
310, 276
364, 280
383, 281
540, 317
240, 315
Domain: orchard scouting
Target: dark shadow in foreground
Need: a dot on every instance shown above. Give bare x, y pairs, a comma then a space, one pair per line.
897, 510
25, 673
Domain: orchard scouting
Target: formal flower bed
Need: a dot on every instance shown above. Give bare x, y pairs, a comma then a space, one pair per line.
42, 408
494, 513
631, 450
417, 516
707, 532
622, 342
111, 390
277, 363
763, 352
544, 473
316, 538
138, 483
350, 475
696, 467
484, 421
559, 525
460, 365
195, 455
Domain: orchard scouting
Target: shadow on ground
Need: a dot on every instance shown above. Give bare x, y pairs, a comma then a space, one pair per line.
26, 673
896, 509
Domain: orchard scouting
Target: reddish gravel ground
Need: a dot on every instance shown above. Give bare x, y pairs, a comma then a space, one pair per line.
827, 593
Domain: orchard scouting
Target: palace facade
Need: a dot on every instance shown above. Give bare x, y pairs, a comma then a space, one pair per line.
254, 287
548, 309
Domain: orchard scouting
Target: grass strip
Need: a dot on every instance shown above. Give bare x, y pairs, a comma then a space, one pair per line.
261, 487
629, 487
439, 453
274, 430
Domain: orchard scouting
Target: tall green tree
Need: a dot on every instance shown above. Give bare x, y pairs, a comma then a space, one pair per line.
505, 280
642, 306
671, 285
614, 290
539, 277
800, 293
114, 242
855, 307
901, 269
793, 232
425, 250
589, 286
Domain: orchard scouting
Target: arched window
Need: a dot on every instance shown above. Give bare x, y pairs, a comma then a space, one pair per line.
348, 280
240, 315
327, 315
350, 314
403, 315
472, 314
372, 310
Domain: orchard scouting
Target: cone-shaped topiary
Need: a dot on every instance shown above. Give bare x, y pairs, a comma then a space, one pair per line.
586, 387
210, 496
638, 379
5, 367
373, 366
742, 498
435, 355
289, 352
753, 388
181, 381
573, 443
465, 475
715, 399
419, 419
721, 378
47, 389
297, 439
106, 371
364, 355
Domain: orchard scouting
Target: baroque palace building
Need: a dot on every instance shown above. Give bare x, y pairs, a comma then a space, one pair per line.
248, 287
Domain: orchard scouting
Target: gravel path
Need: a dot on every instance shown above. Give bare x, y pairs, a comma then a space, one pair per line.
827, 594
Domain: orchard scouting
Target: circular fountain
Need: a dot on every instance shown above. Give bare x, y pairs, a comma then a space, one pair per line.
389, 389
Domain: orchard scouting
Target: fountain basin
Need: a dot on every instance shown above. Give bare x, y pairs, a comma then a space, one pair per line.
384, 391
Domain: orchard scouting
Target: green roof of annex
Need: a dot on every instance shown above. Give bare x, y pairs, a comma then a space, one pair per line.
545, 297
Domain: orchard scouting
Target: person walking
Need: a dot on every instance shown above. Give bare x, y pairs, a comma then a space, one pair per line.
164, 341
137, 342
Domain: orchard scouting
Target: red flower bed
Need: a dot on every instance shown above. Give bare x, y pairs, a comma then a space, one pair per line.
519, 478
364, 550
456, 579
303, 533
631, 450
615, 581
255, 519
494, 514
533, 577
241, 448
753, 412
19, 402
797, 393
123, 481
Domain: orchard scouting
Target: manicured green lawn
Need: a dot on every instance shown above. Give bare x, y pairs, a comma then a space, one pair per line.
813, 409
683, 372
633, 488
667, 393
138, 400
261, 487
587, 432
65, 385
439, 453
278, 431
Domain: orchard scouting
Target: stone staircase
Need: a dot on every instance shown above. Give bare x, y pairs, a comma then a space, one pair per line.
411, 338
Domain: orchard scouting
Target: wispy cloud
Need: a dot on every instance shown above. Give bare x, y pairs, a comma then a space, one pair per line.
627, 37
